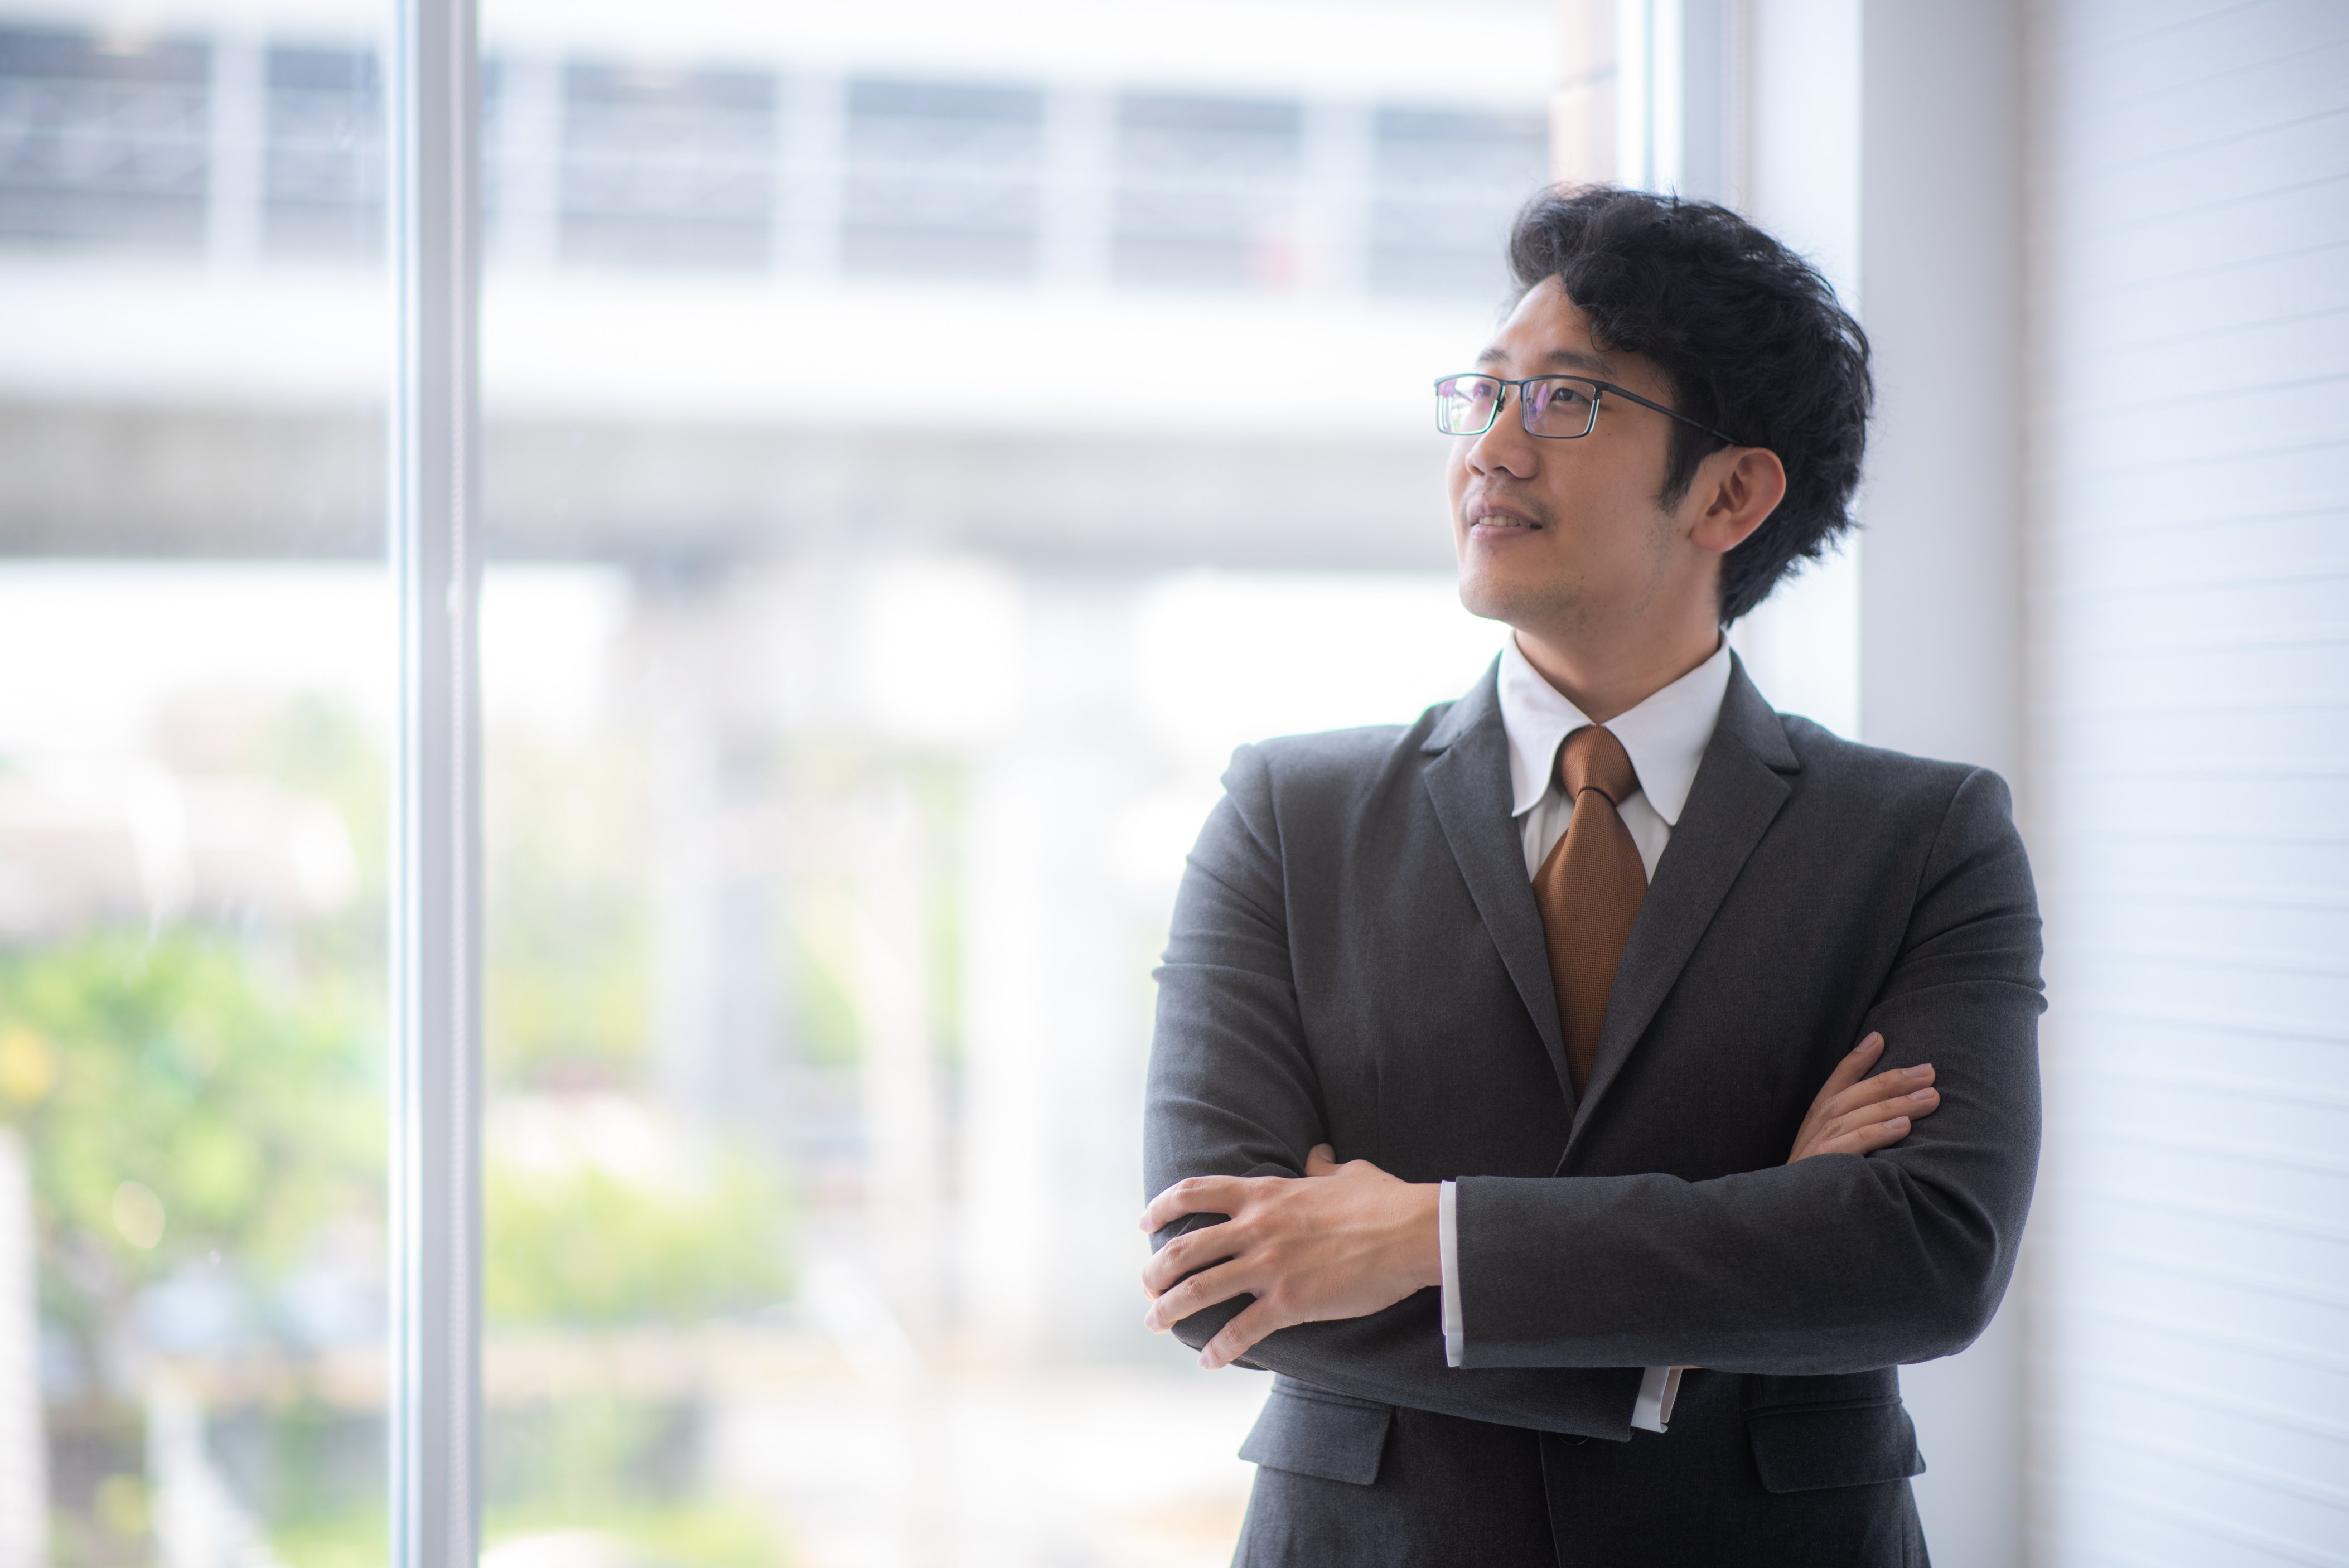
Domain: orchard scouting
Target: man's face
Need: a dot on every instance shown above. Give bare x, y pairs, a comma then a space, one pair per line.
1565, 536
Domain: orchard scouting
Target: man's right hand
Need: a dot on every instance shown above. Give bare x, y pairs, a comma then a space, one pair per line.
1853, 1115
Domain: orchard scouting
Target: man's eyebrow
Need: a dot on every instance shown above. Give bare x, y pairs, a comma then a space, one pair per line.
1575, 359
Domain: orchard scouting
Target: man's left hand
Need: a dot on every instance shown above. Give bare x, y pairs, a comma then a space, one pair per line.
1348, 1241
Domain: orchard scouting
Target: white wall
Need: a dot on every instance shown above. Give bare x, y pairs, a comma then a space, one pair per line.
2190, 707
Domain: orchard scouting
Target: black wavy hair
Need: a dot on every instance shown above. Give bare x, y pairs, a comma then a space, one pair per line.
1750, 335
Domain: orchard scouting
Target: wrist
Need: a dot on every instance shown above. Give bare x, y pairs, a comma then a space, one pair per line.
1426, 1234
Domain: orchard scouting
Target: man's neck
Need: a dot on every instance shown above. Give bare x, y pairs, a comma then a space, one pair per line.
1606, 682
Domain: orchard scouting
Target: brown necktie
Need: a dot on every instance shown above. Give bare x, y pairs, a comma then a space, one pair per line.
1588, 890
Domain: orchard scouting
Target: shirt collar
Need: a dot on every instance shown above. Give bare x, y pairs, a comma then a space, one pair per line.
1665, 735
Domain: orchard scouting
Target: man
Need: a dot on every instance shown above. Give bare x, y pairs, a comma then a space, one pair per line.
1484, 1045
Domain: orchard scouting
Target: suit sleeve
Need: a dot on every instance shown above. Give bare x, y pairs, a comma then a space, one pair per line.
1838, 1263
1231, 1091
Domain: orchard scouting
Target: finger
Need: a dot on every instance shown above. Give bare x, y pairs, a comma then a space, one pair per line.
1194, 1195
1884, 1085
1197, 1293
1835, 1135
1856, 1061
1867, 1140
1835, 1095
1923, 1102
1911, 1109
1321, 1160
1238, 1336
1189, 1253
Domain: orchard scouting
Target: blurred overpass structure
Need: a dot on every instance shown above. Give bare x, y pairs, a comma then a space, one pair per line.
207, 481
1184, 278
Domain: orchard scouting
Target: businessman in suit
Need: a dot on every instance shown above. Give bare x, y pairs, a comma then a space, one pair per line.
1504, 1100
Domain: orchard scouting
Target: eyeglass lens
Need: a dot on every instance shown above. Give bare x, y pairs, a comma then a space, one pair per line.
1468, 404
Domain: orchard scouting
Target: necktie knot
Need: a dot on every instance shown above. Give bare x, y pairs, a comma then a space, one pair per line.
1592, 758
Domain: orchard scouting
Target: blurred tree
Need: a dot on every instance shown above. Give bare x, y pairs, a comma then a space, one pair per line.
586, 1246
178, 1104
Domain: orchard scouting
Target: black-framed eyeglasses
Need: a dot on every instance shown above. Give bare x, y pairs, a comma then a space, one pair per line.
1554, 408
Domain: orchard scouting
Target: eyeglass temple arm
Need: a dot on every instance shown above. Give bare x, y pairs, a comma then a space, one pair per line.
1668, 413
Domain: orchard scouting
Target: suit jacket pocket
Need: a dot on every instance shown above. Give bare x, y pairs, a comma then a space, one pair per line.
1806, 1447
1318, 1433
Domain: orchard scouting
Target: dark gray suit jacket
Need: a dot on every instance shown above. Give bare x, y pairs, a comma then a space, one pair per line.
1356, 958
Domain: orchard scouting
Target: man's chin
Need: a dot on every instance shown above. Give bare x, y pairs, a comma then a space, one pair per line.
1482, 595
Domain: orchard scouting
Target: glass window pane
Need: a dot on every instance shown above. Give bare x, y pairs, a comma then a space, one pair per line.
941, 178
194, 737
864, 635
103, 136
326, 166
1208, 190
1447, 185
666, 166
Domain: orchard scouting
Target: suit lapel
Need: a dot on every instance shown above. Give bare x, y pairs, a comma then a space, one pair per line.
1738, 792
1468, 780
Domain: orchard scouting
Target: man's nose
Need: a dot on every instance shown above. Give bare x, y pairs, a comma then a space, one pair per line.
1505, 447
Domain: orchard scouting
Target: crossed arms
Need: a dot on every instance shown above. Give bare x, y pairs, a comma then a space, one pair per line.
1572, 1284
1350, 1239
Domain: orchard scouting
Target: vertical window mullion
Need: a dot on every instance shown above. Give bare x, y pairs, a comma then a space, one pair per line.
435, 1407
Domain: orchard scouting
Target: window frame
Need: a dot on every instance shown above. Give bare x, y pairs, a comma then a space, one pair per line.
434, 541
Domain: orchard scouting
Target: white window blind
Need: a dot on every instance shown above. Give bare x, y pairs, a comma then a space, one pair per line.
2188, 345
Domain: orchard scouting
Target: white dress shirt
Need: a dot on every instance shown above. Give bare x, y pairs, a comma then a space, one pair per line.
1665, 738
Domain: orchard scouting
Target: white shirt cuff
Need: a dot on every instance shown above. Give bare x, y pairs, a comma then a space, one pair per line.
1652, 1411
1447, 1254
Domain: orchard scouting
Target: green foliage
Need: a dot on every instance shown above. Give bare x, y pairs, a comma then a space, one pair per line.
253, 1112
318, 743
570, 944
818, 938
943, 789
686, 1533
626, 1467
352, 1538
584, 1246
823, 1024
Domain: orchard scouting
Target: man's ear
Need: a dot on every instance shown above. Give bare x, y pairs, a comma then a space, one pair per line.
1735, 490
